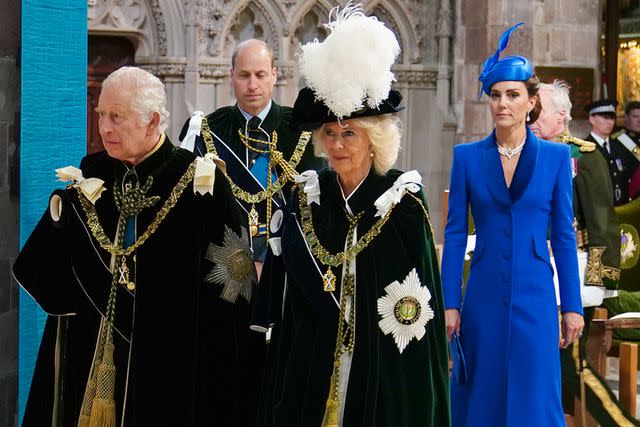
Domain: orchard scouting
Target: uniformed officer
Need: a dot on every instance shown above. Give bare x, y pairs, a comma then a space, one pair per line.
598, 242
622, 164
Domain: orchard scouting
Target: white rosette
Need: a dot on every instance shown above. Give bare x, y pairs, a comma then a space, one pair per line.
405, 310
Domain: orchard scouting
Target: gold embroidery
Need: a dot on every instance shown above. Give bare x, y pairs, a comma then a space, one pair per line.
596, 270
566, 137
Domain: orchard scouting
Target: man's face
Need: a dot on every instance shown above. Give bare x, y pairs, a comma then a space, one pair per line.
550, 122
123, 136
632, 120
253, 78
602, 124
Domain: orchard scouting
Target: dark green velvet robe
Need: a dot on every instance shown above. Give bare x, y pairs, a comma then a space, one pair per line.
184, 356
224, 123
386, 388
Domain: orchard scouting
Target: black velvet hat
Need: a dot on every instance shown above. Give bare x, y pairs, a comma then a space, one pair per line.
348, 74
310, 113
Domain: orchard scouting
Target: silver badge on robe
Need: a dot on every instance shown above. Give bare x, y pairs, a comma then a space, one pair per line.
234, 268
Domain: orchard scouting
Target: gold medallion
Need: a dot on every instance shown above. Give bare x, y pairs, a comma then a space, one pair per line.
329, 281
253, 221
407, 310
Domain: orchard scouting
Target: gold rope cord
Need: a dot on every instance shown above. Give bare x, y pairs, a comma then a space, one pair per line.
98, 405
288, 167
104, 241
345, 337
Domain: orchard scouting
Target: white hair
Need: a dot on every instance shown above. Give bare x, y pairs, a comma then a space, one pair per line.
385, 133
149, 94
560, 97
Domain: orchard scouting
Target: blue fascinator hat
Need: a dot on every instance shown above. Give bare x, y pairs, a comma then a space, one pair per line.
509, 68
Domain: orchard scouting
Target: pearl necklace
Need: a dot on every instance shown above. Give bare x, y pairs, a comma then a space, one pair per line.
510, 152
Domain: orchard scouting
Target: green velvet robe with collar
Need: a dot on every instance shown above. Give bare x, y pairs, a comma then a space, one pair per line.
184, 356
386, 388
225, 123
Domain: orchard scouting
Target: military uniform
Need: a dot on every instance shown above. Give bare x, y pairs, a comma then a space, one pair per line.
622, 165
599, 236
248, 159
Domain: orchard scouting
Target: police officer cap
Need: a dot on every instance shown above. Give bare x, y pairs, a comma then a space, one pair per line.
603, 106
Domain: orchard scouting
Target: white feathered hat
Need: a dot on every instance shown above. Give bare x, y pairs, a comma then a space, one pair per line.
349, 74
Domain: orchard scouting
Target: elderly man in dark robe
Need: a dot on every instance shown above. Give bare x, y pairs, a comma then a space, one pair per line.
145, 271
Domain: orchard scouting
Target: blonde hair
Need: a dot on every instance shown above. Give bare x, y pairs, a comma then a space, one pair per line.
384, 132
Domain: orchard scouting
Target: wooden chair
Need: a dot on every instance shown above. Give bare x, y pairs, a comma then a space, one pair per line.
598, 346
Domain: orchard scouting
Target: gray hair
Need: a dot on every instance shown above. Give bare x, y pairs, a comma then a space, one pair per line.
149, 94
560, 97
385, 133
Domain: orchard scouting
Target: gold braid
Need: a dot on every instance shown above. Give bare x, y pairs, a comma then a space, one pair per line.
115, 249
288, 167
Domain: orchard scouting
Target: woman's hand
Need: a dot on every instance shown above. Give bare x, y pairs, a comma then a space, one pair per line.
572, 326
452, 321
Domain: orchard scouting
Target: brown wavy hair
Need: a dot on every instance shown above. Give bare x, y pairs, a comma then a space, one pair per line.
533, 86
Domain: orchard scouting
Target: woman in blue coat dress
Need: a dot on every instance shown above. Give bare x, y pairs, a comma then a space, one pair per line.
518, 188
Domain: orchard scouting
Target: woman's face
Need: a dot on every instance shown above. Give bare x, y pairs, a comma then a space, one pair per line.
509, 103
347, 147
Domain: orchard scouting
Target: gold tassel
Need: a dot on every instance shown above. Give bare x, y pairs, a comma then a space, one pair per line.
84, 420
332, 412
103, 410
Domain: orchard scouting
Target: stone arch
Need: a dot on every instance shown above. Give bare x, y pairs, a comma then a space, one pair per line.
318, 11
132, 19
271, 17
398, 17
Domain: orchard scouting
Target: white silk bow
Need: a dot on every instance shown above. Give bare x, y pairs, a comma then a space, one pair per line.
195, 124
408, 181
91, 187
311, 185
205, 174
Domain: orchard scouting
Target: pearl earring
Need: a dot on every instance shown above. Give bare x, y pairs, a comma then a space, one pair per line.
528, 117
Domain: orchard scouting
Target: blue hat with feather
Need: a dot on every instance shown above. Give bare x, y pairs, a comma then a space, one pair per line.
509, 68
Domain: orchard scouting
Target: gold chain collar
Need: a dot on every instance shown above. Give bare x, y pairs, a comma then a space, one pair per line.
288, 167
101, 237
334, 260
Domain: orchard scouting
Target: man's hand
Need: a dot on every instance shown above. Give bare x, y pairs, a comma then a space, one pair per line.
572, 326
452, 321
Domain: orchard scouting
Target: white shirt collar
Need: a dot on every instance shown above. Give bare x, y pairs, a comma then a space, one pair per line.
599, 139
262, 114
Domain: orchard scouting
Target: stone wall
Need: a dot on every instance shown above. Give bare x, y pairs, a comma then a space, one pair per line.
556, 33
9, 192
189, 43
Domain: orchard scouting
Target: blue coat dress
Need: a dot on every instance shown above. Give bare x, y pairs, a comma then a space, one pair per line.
509, 317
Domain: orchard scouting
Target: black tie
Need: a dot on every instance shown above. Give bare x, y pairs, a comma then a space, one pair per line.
255, 132
606, 146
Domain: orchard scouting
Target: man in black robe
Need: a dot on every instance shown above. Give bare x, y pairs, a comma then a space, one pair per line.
143, 256
246, 135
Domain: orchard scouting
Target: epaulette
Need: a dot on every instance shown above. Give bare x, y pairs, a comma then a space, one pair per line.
617, 134
585, 146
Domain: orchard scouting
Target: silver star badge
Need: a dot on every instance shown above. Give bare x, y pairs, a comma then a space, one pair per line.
234, 268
